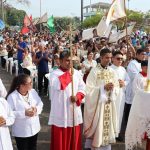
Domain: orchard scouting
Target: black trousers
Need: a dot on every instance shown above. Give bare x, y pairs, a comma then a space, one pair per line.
28, 143
20, 69
41, 76
3, 61
26, 71
127, 108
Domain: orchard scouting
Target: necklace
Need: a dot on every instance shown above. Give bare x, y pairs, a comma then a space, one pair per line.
26, 98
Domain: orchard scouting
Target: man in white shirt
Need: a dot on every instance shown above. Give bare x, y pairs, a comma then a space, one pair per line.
123, 79
133, 68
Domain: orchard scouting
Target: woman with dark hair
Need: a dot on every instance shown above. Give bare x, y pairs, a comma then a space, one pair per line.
27, 64
26, 105
88, 64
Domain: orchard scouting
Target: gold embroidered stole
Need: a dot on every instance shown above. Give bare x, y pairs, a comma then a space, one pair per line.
107, 77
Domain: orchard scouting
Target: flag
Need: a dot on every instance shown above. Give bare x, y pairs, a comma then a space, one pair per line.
2, 25
27, 25
43, 19
102, 29
25, 30
87, 34
35, 21
31, 18
26, 21
116, 11
116, 35
50, 24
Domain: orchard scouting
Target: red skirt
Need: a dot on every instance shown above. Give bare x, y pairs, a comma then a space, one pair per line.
65, 139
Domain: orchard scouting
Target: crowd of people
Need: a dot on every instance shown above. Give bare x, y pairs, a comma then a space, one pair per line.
101, 76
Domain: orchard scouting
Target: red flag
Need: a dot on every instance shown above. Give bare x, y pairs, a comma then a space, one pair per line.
25, 30
27, 21
31, 18
27, 25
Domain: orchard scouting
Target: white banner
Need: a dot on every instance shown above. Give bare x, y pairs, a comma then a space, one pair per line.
116, 11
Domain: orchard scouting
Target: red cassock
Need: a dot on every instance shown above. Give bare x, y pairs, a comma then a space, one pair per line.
63, 138
68, 138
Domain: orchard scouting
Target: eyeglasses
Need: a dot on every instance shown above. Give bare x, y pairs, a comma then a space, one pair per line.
119, 59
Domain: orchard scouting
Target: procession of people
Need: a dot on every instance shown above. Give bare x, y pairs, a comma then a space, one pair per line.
98, 85
93, 89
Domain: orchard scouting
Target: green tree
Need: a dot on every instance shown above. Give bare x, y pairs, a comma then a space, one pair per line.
92, 21
14, 16
136, 16
63, 23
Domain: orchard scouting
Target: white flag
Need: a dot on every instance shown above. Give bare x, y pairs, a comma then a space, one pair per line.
115, 36
102, 29
116, 11
87, 34
43, 19
129, 30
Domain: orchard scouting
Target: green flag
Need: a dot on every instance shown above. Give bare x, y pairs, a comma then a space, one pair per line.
50, 24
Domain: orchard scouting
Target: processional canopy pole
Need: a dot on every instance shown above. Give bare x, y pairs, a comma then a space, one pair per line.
72, 70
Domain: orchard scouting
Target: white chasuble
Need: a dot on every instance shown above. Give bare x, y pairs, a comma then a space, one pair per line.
100, 117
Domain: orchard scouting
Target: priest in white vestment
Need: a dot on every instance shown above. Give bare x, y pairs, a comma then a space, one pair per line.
100, 116
65, 115
123, 79
7, 118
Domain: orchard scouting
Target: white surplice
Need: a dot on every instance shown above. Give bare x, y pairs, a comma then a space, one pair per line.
96, 99
120, 100
139, 82
7, 113
61, 114
133, 69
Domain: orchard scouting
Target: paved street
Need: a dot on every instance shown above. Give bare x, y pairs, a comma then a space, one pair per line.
44, 135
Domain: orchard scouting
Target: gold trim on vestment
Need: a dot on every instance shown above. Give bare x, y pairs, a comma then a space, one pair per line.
106, 121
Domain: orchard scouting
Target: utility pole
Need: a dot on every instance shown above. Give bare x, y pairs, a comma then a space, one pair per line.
81, 11
128, 4
90, 9
2, 9
40, 16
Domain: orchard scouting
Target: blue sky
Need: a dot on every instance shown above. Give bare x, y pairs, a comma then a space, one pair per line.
70, 7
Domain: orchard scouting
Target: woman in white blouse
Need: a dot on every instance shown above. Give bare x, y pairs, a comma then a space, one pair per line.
26, 105
7, 118
88, 64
